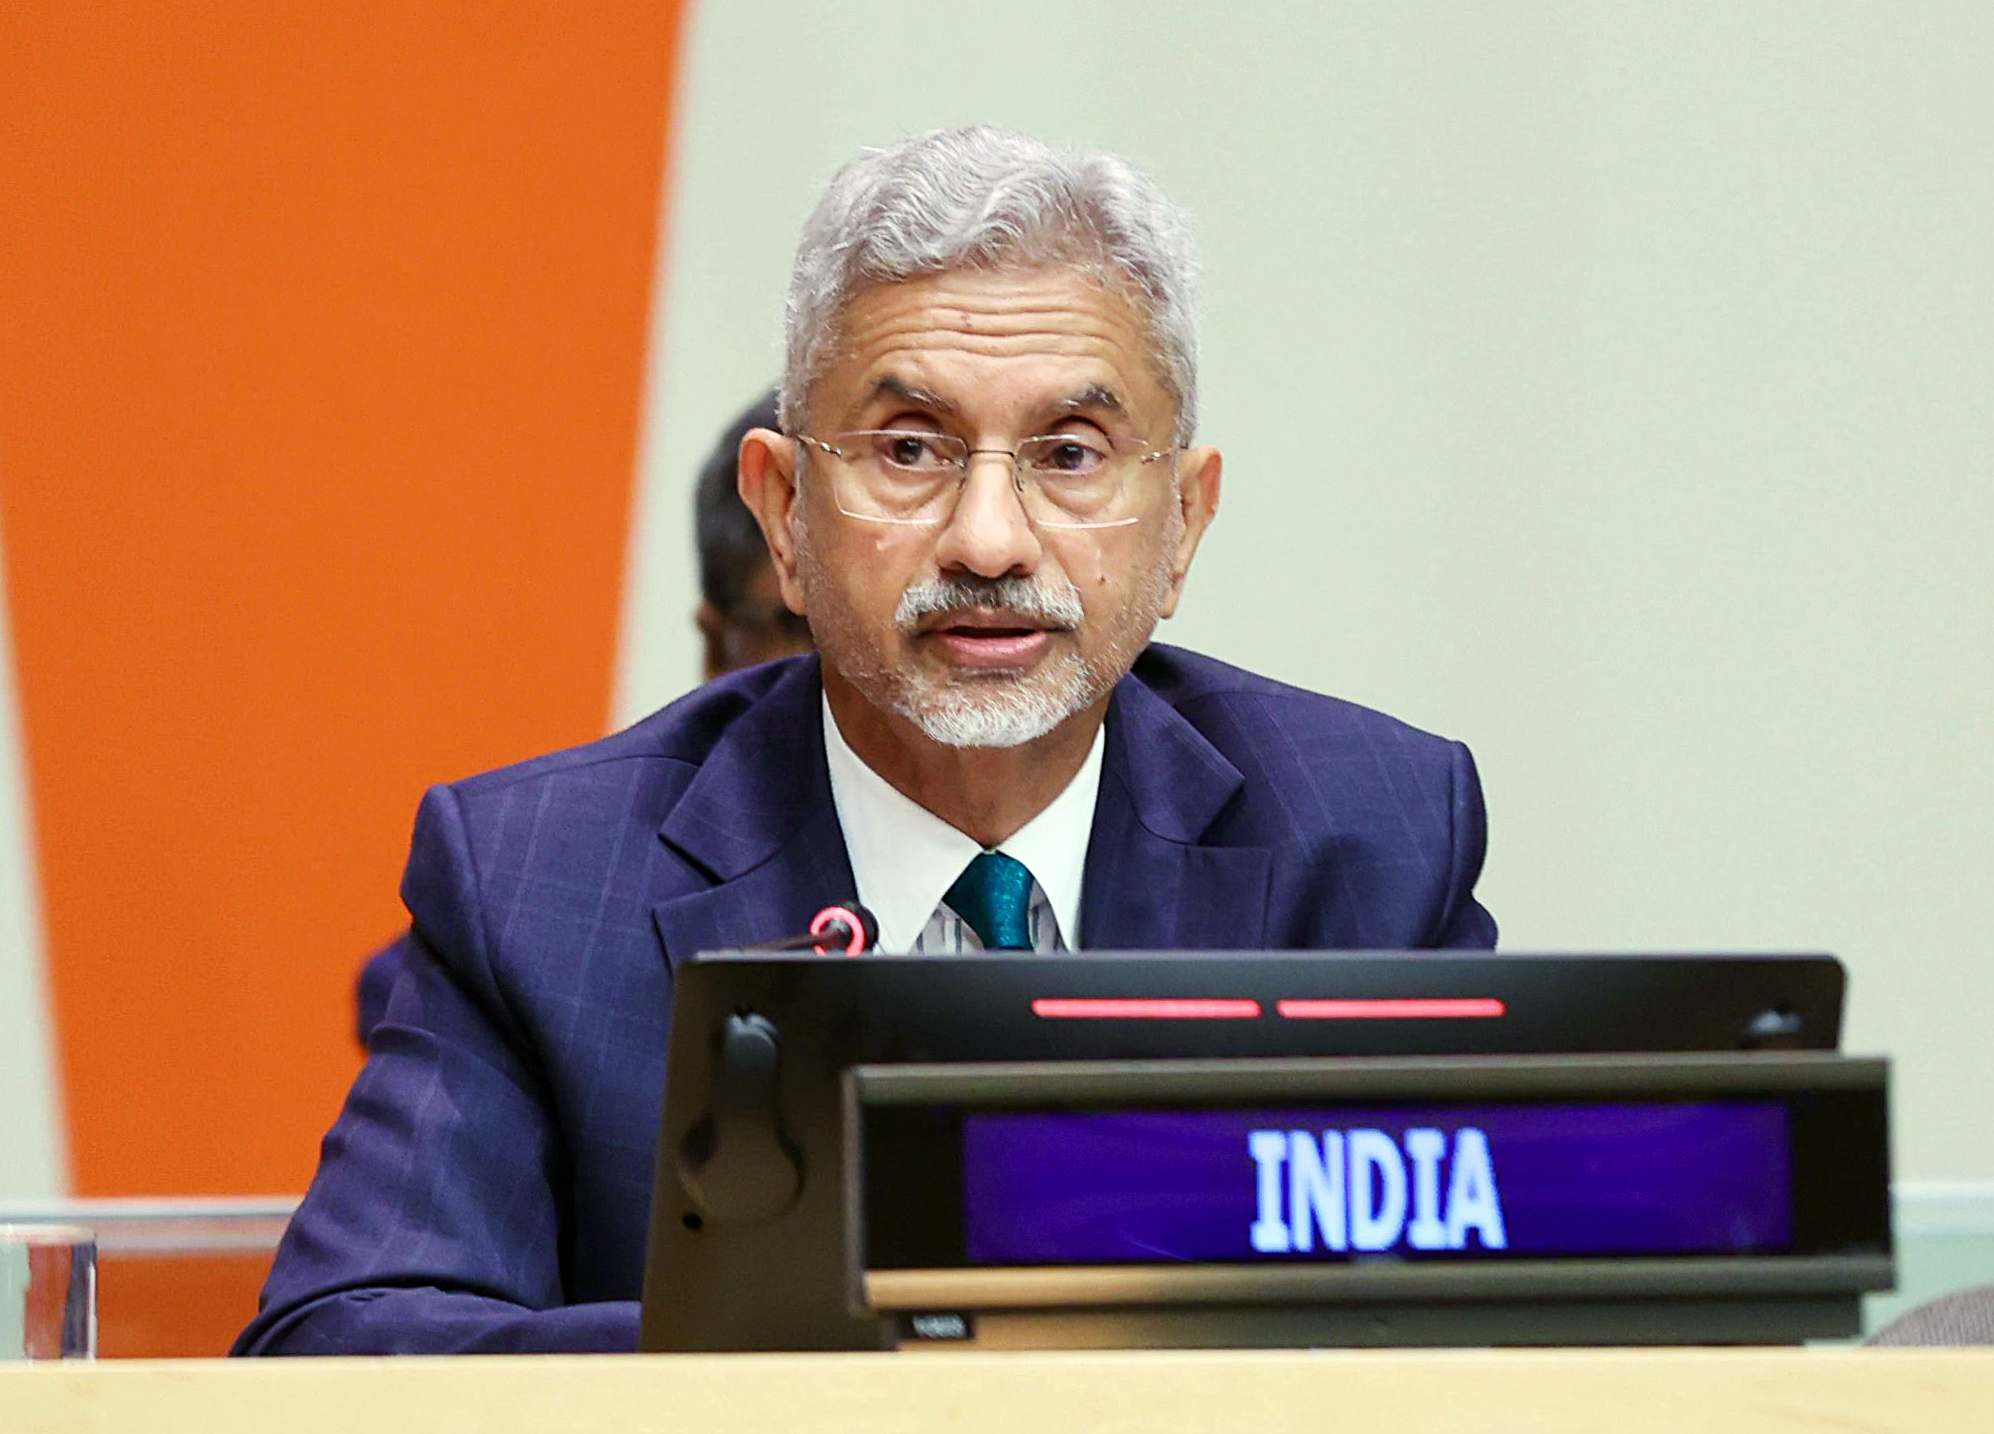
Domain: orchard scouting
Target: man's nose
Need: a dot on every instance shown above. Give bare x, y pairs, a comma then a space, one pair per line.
988, 533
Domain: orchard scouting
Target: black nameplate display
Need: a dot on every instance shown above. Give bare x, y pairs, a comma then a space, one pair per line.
1075, 1187
1384, 1120
1417, 1181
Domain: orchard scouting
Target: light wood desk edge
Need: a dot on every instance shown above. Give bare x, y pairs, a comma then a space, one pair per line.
1420, 1392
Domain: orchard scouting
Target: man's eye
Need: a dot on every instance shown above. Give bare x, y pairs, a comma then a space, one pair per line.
907, 450
1069, 455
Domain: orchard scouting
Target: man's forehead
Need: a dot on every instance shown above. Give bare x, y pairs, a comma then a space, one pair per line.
1055, 338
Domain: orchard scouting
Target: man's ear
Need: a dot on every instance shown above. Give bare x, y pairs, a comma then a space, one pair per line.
765, 469
1198, 503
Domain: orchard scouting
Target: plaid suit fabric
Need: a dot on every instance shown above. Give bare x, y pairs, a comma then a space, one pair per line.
487, 1183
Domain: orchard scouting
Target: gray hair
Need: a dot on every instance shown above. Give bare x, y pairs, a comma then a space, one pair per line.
989, 198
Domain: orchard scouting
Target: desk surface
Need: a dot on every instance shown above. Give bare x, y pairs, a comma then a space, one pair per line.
1419, 1392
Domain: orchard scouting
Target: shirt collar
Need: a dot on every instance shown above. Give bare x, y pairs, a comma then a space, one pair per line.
905, 858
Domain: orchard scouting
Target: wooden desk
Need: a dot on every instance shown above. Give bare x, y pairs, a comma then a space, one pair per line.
1417, 1392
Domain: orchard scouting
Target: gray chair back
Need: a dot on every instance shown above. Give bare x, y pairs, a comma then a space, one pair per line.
1963, 1318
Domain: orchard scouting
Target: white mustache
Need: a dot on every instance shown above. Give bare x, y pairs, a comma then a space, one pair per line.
1052, 606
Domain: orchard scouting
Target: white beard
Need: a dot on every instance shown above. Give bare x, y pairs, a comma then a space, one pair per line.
997, 709
997, 712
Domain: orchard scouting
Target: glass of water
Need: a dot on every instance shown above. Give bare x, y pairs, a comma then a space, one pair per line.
48, 1292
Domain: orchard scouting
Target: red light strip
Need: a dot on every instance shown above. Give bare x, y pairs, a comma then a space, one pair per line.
1089, 1008
1434, 1008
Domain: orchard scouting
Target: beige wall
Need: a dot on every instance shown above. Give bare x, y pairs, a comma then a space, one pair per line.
33, 1157
1603, 384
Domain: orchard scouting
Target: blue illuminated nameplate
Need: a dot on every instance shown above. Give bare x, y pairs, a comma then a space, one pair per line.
1437, 1181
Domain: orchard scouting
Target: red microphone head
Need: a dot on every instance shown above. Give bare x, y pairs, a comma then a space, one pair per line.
849, 928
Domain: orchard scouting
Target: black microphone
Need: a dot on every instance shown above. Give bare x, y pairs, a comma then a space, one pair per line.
846, 927
849, 928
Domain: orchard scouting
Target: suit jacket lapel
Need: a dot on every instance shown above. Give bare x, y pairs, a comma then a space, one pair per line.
759, 820
1149, 884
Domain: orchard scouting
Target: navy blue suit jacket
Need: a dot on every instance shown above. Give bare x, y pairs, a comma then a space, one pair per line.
487, 1184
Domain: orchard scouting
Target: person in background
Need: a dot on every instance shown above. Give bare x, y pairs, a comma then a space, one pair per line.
741, 617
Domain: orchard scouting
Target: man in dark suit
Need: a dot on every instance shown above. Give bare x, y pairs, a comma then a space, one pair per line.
984, 495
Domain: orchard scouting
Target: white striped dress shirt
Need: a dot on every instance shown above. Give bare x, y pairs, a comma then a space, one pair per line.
905, 858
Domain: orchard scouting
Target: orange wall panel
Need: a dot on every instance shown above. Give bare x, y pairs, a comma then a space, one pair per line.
175, 1306
322, 335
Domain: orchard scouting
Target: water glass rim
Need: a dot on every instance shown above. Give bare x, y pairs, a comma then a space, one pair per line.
46, 1234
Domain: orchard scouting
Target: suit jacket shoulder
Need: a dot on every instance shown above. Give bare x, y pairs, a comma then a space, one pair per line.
521, 865
1375, 829
683, 733
1208, 693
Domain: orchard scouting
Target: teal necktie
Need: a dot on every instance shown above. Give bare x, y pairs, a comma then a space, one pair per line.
994, 895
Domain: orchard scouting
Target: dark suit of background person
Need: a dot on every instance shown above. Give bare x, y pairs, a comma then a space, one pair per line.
741, 617
487, 1184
